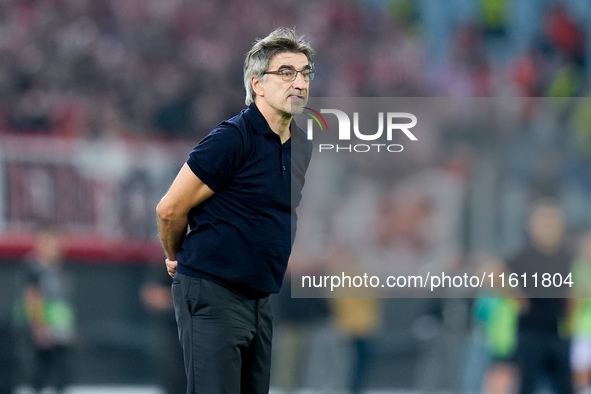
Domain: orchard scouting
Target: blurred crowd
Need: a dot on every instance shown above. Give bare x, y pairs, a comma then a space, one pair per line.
79, 67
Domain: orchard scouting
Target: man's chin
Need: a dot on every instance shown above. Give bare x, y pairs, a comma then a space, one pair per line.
297, 105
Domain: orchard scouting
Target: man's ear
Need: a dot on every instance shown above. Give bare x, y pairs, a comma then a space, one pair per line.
257, 83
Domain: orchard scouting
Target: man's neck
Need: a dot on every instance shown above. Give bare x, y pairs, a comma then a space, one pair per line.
278, 122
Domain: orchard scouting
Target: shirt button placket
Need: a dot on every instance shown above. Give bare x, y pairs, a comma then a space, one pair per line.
283, 166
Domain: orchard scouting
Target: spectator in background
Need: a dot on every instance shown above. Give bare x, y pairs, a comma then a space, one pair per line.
48, 313
157, 299
298, 322
542, 344
564, 35
581, 323
490, 362
501, 328
358, 319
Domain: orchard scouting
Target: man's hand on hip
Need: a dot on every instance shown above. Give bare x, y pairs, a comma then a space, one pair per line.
171, 266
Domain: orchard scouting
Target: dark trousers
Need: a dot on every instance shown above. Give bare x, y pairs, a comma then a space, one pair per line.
51, 363
540, 355
363, 355
226, 337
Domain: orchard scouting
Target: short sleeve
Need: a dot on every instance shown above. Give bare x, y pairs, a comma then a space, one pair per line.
217, 157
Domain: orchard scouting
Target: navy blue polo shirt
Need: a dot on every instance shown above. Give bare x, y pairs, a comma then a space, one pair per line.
241, 237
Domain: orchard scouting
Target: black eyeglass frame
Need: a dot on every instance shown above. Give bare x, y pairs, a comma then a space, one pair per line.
286, 78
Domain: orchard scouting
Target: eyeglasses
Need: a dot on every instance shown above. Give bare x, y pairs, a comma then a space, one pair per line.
290, 74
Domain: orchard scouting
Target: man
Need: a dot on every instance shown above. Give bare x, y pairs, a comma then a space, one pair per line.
237, 193
48, 313
542, 342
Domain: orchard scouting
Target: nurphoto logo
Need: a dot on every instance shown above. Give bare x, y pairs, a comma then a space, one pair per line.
395, 122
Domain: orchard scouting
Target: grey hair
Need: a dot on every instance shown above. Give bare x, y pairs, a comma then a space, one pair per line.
258, 58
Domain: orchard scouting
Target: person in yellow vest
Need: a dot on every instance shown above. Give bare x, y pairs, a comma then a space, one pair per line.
358, 319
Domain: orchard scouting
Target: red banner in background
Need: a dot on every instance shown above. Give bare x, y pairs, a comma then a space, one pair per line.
100, 194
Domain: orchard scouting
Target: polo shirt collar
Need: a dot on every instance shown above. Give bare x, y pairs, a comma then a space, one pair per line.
261, 126
257, 120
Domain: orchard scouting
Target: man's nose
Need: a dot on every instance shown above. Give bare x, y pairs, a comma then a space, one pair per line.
300, 82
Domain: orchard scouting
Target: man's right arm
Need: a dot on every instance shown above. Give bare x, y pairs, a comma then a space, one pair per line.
186, 192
